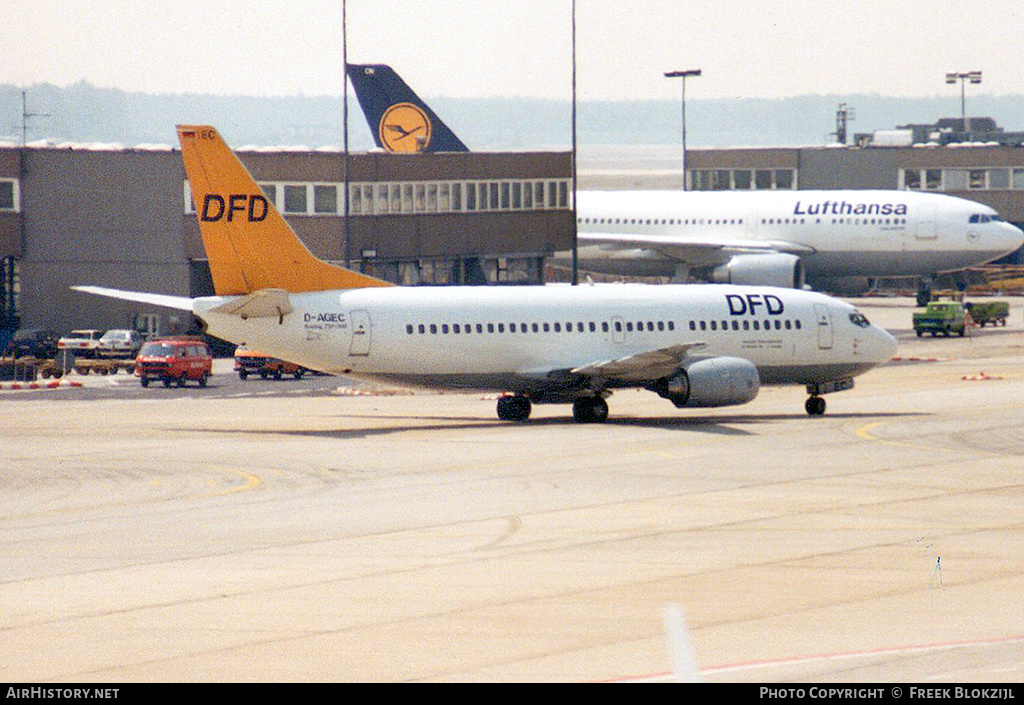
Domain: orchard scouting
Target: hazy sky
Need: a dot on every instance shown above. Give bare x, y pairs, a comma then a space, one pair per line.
464, 48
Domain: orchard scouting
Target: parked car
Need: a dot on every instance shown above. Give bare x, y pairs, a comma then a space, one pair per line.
33, 342
120, 343
253, 362
174, 360
81, 342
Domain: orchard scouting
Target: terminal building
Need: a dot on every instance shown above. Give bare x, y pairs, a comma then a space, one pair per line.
982, 163
124, 218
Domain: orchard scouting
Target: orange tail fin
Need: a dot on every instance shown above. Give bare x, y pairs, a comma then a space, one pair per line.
249, 245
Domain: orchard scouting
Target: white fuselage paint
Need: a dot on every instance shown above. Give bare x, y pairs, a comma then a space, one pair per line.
845, 233
366, 332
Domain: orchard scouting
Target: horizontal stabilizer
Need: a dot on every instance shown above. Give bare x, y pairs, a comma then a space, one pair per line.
182, 303
650, 365
265, 303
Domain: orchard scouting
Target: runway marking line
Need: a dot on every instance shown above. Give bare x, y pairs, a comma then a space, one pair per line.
251, 482
865, 432
838, 656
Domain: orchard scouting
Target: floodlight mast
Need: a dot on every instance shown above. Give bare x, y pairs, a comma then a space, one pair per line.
963, 76
683, 75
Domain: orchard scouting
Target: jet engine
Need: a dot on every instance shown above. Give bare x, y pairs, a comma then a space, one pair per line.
775, 269
713, 381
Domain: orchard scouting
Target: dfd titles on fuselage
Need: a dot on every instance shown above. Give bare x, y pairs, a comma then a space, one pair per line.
846, 208
743, 305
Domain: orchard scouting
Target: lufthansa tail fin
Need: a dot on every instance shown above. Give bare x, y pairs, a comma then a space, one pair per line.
249, 245
399, 120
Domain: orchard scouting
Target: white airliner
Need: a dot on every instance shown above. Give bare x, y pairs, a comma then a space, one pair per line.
784, 237
696, 345
833, 239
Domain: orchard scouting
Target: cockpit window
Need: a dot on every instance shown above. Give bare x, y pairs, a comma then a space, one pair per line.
981, 218
859, 319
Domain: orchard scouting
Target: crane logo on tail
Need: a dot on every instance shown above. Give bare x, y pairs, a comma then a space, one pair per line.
405, 128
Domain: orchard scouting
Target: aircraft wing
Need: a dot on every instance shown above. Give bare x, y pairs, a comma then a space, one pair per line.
182, 303
688, 249
652, 364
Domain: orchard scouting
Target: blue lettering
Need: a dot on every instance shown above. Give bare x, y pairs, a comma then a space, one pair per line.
755, 301
773, 304
212, 199
236, 202
253, 200
846, 208
740, 306
737, 306
255, 207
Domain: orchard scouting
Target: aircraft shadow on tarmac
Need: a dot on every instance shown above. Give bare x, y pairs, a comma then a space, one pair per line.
718, 425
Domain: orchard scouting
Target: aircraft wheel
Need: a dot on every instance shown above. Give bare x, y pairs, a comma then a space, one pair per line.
815, 406
590, 410
514, 408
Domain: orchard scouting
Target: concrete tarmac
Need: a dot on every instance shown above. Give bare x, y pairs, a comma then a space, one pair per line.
417, 538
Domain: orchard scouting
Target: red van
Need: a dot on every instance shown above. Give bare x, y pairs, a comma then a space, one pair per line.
174, 360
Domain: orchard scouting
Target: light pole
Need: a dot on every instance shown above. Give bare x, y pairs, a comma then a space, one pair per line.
575, 221
963, 76
683, 75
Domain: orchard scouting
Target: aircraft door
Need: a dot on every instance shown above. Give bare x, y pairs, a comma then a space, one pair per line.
360, 344
618, 330
926, 224
824, 326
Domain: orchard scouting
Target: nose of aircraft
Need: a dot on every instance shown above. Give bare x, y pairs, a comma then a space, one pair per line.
883, 343
1011, 238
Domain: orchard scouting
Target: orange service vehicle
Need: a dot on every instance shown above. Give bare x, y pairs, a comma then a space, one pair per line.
174, 360
253, 362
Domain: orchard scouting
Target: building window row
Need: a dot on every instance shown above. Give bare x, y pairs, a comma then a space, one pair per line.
959, 179
414, 197
9, 196
455, 270
742, 179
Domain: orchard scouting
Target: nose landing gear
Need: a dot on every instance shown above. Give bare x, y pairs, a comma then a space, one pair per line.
815, 406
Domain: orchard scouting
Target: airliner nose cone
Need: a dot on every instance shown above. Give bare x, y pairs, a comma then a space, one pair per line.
889, 344
1014, 237
883, 345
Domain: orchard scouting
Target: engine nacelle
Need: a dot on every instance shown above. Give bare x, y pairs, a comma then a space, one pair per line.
713, 381
775, 269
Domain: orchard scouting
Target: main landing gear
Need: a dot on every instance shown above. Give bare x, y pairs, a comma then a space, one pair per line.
590, 410
815, 406
514, 408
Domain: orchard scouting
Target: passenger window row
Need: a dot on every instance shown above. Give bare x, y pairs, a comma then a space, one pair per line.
661, 221
558, 327
747, 324
619, 326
